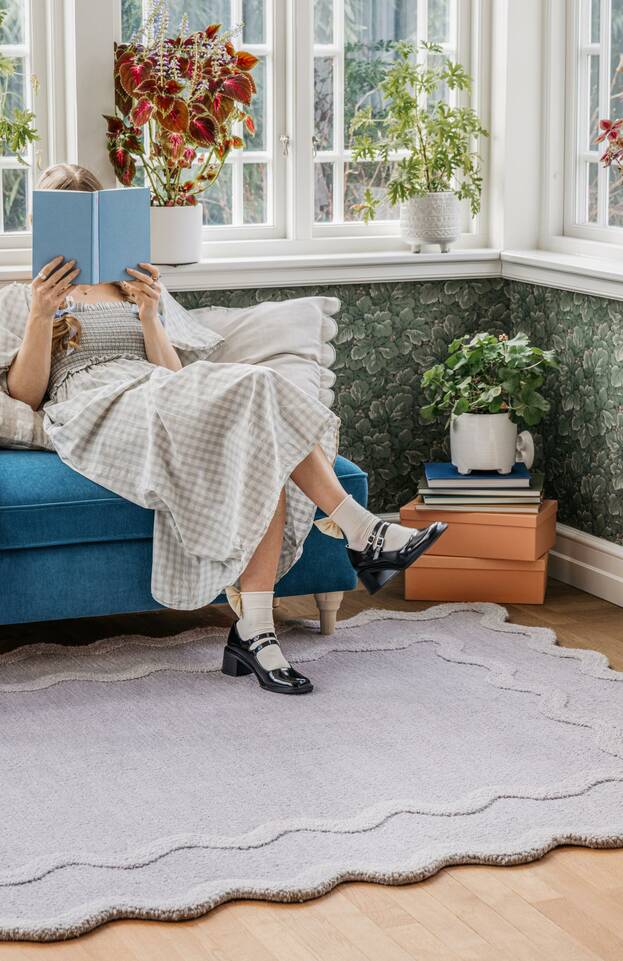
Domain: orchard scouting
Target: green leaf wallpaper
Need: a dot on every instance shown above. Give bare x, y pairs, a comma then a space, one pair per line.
388, 333
581, 441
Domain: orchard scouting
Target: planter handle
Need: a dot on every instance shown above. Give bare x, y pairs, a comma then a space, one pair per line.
525, 448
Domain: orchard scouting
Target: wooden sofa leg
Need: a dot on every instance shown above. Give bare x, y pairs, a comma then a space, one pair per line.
328, 606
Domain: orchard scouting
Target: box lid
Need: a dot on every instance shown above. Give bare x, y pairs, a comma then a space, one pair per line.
410, 512
443, 562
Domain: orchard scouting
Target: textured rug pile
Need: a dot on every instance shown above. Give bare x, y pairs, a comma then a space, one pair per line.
138, 781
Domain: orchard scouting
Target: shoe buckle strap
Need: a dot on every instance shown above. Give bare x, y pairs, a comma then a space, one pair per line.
255, 648
376, 541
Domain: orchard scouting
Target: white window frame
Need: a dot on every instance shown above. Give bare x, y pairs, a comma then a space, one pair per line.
77, 87
565, 61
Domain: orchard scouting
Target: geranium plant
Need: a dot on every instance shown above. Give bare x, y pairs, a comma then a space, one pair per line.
17, 131
612, 133
428, 144
486, 374
181, 104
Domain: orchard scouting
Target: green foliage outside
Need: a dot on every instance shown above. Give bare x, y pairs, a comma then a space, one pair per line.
17, 129
489, 375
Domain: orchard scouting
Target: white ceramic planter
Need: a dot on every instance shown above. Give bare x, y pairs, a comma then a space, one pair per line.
488, 442
433, 219
176, 234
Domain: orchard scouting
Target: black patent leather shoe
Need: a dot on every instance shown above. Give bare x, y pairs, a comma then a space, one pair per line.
239, 660
375, 567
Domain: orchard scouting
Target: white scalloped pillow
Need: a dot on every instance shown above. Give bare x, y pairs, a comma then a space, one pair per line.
292, 337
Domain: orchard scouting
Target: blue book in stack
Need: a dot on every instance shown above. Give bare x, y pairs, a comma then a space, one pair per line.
105, 231
443, 488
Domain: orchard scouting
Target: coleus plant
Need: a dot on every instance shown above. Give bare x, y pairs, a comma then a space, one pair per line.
180, 104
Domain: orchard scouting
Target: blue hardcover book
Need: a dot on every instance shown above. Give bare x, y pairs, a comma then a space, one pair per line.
105, 231
441, 474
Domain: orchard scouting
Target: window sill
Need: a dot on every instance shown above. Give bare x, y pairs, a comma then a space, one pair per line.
585, 275
232, 273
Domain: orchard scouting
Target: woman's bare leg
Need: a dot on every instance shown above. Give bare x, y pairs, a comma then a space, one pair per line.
316, 478
261, 571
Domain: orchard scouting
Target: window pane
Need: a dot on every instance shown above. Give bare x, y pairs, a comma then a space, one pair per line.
357, 178
254, 193
217, 199
371, 28
323, 21
616, 59
15, 199
12, 30
14, 87
200, 13
323, 102
593, 102
323, 193
595, 13
439, 21
592, 211
131, 17
615, 199
253, 17
257, 141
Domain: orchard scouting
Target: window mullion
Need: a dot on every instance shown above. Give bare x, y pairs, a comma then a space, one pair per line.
338, 110
300, 118
604, 104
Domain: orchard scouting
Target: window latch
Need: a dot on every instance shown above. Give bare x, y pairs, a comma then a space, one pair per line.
284, 140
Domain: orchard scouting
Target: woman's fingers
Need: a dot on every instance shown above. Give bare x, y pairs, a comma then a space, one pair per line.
68, 279
59, 275
139, 275
45, 271
151, 270
142, 289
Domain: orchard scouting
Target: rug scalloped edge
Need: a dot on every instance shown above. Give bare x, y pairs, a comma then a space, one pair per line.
294, 894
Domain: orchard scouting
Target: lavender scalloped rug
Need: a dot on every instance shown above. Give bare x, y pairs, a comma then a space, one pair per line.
138, 781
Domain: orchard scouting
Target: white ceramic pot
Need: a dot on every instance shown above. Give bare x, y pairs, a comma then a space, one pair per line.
176, 234
488, 442
432, 219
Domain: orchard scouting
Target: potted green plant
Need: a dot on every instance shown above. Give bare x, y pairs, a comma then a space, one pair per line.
181, 106
485, 385
17, 131
428, 144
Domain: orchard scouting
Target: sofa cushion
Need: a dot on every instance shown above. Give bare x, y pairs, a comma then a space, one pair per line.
45, 503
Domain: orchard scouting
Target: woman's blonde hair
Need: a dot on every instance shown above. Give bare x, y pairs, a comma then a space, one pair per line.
66, 330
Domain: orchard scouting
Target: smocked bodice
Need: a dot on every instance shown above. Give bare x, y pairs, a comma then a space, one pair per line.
109, 331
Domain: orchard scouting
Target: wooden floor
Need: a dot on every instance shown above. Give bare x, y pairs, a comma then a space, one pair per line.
566, 907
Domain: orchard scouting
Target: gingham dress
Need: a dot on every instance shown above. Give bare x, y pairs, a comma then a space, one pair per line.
208, 448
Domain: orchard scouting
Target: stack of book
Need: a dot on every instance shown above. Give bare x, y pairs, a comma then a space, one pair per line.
443, 488
499, 533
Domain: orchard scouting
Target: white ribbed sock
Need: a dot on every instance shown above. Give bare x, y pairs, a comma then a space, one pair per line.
357, 523
257, 618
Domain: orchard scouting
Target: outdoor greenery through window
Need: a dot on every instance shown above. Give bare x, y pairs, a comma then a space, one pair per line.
598, 190
15, 94
353, 45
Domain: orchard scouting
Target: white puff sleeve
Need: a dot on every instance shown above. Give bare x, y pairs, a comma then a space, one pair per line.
189, 335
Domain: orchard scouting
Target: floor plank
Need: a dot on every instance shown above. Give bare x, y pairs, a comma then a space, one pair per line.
565, 907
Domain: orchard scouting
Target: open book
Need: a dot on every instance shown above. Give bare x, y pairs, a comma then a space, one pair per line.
104, 230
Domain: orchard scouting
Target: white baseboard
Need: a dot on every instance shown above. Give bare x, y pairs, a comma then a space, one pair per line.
589, 563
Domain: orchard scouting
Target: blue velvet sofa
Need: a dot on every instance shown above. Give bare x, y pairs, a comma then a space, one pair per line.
70, 548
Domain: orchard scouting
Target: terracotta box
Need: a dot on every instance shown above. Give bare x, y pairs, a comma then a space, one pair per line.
519, 537
440, 578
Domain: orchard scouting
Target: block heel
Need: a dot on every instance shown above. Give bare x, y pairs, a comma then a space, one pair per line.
232, 666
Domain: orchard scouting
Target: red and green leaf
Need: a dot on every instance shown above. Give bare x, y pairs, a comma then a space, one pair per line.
142, 111
246, 60
133, 74
172, 113
238, 87
202, 130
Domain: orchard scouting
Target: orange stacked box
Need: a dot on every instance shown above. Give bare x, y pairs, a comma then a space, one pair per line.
491, 551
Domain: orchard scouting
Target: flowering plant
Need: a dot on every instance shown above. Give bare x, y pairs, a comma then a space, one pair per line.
178, 102
17, 131
612, 133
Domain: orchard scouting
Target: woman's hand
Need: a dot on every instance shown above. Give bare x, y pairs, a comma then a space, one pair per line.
50, 286
144, 290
